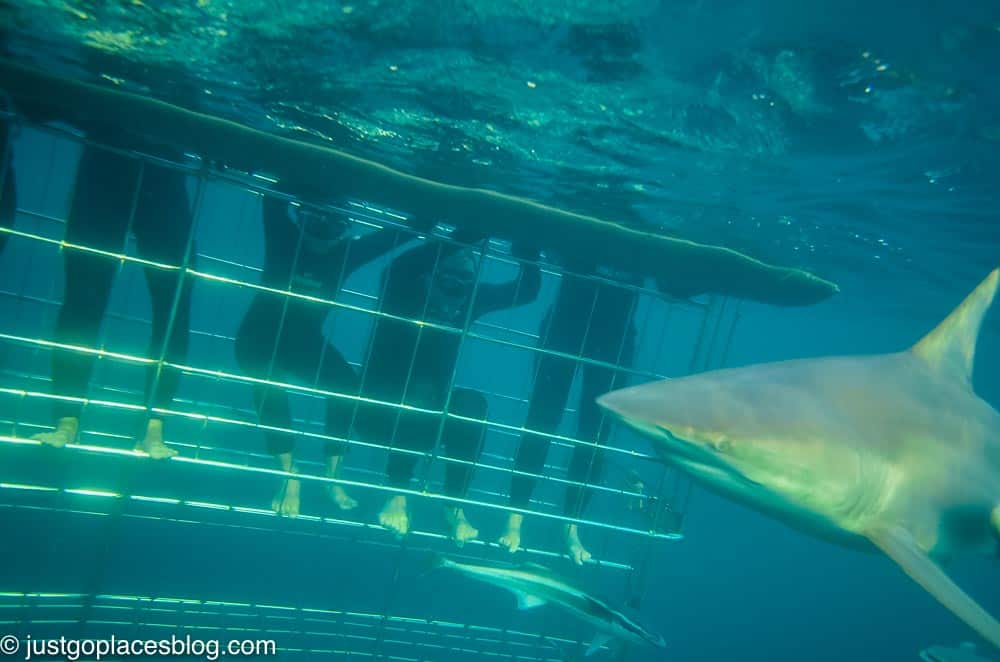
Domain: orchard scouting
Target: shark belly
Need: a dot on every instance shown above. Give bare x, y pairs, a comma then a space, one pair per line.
766, 502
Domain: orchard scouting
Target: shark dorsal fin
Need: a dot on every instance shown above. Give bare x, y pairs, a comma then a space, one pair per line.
951, 347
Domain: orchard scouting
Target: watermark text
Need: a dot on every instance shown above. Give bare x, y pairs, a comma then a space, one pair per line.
72, 650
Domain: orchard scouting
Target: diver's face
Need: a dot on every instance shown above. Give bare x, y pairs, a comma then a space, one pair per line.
321, 233
451, 287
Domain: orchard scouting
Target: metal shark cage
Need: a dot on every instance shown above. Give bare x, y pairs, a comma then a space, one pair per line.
213, 498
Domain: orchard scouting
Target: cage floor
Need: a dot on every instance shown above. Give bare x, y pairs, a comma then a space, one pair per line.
297, 631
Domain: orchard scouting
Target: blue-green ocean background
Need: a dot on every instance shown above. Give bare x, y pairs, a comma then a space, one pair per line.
855, 140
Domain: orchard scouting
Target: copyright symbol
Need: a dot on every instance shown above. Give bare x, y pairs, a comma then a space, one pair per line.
9, 644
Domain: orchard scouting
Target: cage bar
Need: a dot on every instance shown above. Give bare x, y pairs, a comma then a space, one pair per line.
297, 631
211, 415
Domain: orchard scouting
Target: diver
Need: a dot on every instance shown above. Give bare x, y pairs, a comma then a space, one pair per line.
307, 251
591, 319
414, 365
116, 195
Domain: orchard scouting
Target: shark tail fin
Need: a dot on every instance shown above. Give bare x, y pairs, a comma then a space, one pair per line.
951, 347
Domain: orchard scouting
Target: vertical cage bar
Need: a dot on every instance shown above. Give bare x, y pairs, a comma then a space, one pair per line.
182, 275
711, 347
454, 370
729, 337
696, 353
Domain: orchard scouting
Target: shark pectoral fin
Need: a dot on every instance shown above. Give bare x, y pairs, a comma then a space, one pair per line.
898, 544
600, 639
527, 601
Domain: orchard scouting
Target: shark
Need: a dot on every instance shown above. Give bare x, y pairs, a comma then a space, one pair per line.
890, 452
535, 585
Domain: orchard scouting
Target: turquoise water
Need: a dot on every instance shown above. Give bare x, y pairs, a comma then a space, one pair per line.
857, 142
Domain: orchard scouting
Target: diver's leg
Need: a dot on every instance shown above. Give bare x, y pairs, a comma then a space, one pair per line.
337, 494
587, 462
85, 299
255, 347
462, 441
98, 219
337, 375
416, 432
287, 500
548, 399
162, 229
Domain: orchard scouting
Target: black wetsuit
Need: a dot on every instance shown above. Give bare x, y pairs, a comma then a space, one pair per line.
415, 365
281, 338
8, 194
106, 207
610, 338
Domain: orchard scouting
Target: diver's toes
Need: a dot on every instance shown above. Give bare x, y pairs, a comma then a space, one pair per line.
286, 502
159, 451
510, 543
464, 534
578, 554
395, 518
55, 439
342, 499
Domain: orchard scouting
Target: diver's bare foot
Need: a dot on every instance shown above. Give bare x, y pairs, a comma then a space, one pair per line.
64, 433
394, 516
578, 554
152, 444
511, 539
462, 531
286, 501
341, 498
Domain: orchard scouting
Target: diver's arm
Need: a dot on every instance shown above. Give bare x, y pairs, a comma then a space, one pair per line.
421, 260
376, 244
517, 292
274, 212
370, 247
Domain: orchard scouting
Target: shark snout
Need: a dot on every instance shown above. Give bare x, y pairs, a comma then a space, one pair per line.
647, 407
630, 404
611, 402
631, 410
